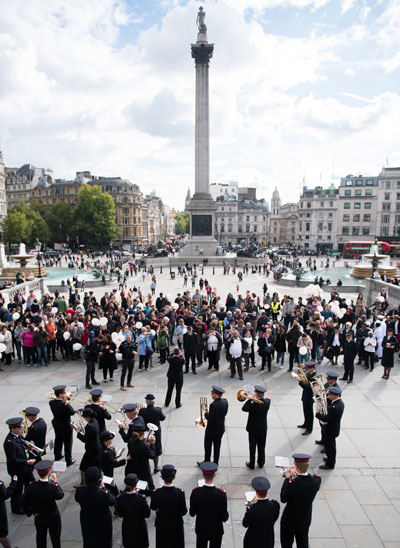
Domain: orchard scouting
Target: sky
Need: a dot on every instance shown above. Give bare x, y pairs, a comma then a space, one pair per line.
302, 92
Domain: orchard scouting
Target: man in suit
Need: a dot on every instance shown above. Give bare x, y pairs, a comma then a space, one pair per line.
36, 431
332, 428
170, 506
175, 377
257, 426
209, 505
260, 517
307, 399
189, 347
131, 413
154, 415
40, 500
62, 413
350, 351
215, 429
298, 491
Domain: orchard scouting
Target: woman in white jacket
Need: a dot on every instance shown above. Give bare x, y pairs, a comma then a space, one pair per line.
379, 334
369, 347
7, 341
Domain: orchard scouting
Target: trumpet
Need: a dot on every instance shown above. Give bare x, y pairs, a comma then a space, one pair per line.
200, 422
251, 502
151, 429
289, 472
52, 396
301, 375
242, 395
32, 448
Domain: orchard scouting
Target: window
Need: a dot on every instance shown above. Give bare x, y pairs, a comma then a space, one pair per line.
222, 228
368, 191
308, 215
247, 228
330, 215
125, 211
329, 227
346, 218
347, 192
248, 218
345, 231
358, 192
348, 182
385, 231
255, 217
398, 206
396, 231
307, 227
330, 204
398, 184
229, 228
255, 228
356, 218
386, 206
387, 196
346, 205
367, 218
365, 230
398, 196
387, 185
320, 227
367, 205
370, 182
359, 182
356, 230
357, 205
322, 204
385, 219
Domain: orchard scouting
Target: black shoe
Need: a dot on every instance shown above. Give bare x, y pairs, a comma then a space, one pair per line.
194, 372
95, 383
323, 451
19, 511
89, 387
61, 457
232, 376
241, 378
166, 404
70, 463
178, 406
289, 370
319, 442
251, 466
343, 379
185, 372
301, 426
326, 467
349, 381
307, 432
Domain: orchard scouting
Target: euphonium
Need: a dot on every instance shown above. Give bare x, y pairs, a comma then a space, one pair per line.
318, 388
242, 395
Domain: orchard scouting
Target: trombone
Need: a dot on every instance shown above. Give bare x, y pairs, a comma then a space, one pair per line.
52, 396
101, 403
242, 396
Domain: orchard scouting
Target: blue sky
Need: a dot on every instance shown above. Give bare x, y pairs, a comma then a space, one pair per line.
295, 86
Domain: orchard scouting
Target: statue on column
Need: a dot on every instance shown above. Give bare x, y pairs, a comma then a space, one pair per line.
200, 20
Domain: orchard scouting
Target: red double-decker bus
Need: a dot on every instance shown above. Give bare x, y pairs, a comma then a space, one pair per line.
354, 250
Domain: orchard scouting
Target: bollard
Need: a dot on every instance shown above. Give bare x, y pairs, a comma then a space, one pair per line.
160, 269
213, 270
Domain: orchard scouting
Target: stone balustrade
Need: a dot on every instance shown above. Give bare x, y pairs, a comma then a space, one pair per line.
373, 288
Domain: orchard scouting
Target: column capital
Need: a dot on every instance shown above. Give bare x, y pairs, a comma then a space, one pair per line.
202, 53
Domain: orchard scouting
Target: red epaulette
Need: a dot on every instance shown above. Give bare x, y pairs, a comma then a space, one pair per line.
222, 490
317, 476
104, 490
181, 490
80, 485
194, 488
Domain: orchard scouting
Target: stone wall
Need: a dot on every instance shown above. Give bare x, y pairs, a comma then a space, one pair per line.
373, 288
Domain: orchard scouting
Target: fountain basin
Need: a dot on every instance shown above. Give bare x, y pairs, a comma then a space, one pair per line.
366, 271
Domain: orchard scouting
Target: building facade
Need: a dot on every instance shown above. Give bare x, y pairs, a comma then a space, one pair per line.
388, 206
158, 222
3, 196
318, 216
283, 222
241, 220
21, 181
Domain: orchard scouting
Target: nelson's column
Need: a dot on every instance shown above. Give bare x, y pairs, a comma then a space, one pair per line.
202, 207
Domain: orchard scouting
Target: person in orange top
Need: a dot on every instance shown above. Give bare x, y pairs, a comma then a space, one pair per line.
51, 330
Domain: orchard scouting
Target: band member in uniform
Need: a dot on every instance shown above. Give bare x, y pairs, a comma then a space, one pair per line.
99, 408
5, 493
307, 399
153, 415
108, 460
132, 507
215, 429
298, 491
260, 517
169, 503
209, 505
95, 516
257, 426
175, 377
17, 462
332, 428
140, 452
90, 438
131, 412
331, 380
40, 500
62, 413
36, 431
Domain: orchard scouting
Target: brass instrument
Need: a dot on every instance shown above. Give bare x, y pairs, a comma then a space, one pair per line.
52, 396
116, 452
101, 403
242, 395
251, 502
319, 392
301, 375
79, 426
151, 429
201, 423
23, 413
289, 472
32, 448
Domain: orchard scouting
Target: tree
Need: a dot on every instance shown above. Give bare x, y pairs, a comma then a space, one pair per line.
32, 225
182, 225
58, 217
94, 216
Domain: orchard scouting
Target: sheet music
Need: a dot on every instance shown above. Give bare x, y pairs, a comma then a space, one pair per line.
249, 495
59, 466
141, 485
106, 397
108, 480
282, 462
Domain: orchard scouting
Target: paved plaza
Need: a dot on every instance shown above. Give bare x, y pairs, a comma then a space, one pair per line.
359, 502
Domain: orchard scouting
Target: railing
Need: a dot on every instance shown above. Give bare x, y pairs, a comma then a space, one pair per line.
38, 285
373, 288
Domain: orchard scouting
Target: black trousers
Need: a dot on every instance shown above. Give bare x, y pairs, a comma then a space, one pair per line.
369, 359
209, 442
127, 367
288, 535
236, 363
257, 441
163, 354
144, 361
51, 523
308, 414
266, 359
51, 349
25, 477
177, 383
63, 437
293, 356
190, 357
199, 354
204, 542
90, 369
330, 450
213, 359
348, 368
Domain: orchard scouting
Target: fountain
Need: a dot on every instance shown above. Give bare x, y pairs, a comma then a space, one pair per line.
374, 262
23, 258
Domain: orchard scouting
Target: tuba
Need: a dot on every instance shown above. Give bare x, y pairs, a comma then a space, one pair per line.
242, 395
200, 422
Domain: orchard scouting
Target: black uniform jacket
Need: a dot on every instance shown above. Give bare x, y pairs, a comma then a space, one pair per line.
40, 498
37, 433
350, 349
15, 455
108, 461
92, 447
101, 415
299, 493
215, 418
154, 415
62, 411
170, 505
209, 505
95, 515
260, 518
257, 419
5, 493
126, 436
140, 454
175, 369
134, 510
332, 418
307, 394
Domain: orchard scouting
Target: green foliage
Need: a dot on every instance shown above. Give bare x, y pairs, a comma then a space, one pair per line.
94, 216
182, 225
24, 224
